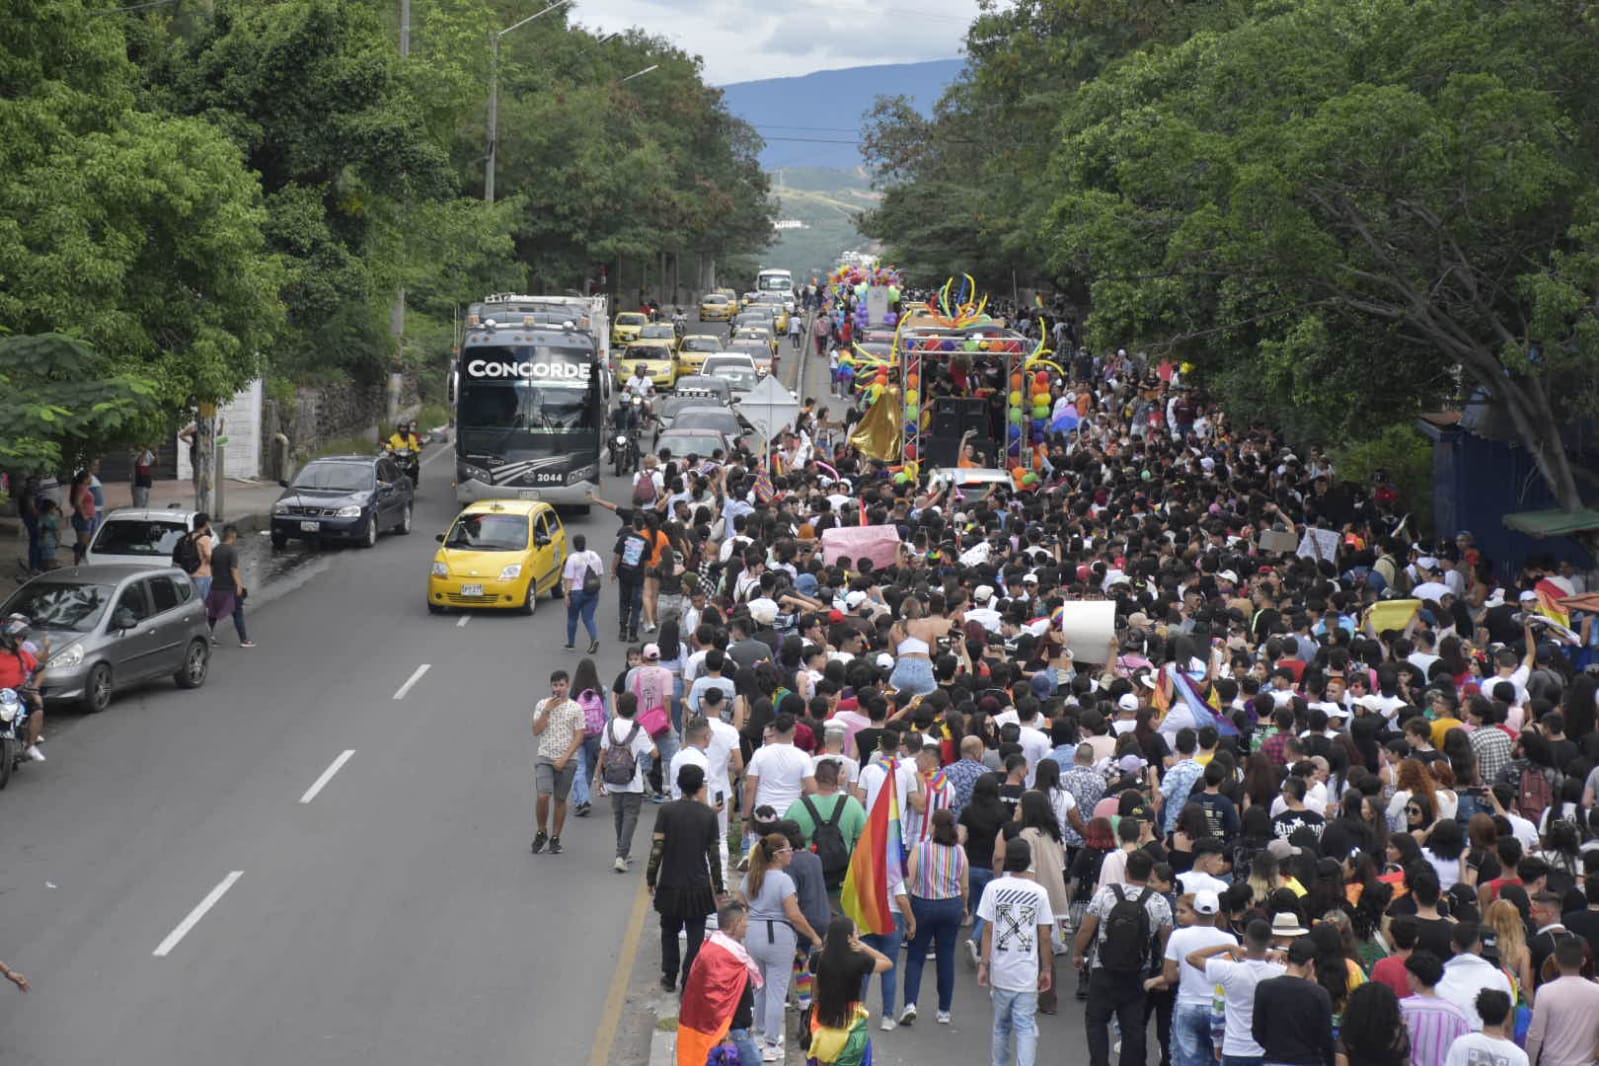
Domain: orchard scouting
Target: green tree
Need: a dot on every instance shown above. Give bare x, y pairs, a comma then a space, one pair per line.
62, 402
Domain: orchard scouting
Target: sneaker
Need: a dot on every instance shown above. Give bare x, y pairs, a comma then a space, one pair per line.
620, 865
974, 953
215, 643
569, 647
541, 839
908, 1015
771, 1053
887, 1025
668, 984
34, 753
246, 643
555, 845
649, 627
582, 810
943, 1017
659, 797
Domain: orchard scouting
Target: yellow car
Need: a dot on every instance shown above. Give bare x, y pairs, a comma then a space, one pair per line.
773, 303
659, 364
692, 350
627, 326
498, 553
716, 307
732, 298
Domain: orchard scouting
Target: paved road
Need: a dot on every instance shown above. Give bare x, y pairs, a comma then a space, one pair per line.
398, 917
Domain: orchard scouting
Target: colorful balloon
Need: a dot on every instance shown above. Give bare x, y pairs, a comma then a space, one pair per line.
912, 396
1016, 398
1016, 416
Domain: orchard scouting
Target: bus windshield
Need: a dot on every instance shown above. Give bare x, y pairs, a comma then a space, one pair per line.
527, 407
774, 281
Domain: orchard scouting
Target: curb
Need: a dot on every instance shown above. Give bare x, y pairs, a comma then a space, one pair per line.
663, 1048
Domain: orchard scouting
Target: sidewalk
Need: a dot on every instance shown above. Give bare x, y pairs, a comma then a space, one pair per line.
244, 503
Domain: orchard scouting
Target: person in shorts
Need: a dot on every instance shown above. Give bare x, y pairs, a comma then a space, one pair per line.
558, 731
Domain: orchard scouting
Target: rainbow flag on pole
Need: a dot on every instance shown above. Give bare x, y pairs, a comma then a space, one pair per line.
877, 861
1190, 708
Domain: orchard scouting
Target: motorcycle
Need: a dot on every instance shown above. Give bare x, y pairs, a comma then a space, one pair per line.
410, 463
624, 453
13, 733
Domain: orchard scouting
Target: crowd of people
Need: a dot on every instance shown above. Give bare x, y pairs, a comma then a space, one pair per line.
1255, 827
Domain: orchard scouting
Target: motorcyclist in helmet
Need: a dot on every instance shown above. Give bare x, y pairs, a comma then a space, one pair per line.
404, 436
20, 671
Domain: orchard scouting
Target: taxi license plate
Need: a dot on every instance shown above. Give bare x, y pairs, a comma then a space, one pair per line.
310, 527
529, 494
471, 590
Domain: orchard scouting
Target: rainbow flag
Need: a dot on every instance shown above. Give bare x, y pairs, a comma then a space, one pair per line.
764, 490
1549, 605
1161, 700
1190, 708
876, 864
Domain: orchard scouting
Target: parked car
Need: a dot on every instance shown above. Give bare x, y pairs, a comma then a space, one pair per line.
343, 497
112, 627
140, 536
720, 419
696, 442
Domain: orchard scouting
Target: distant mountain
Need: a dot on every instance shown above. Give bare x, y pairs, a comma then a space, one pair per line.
814, 120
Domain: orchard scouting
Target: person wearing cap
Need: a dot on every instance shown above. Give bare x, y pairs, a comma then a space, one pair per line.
655, 686
1018, 920
1292, 1020
983, 612
1238, 969
1196, 931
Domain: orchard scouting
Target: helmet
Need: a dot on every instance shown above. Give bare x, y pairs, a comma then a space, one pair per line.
10, 705
16, 624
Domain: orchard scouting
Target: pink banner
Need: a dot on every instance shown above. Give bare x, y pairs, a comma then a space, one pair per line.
880, 544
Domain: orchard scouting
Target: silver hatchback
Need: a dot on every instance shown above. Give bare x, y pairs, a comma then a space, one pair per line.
112, 627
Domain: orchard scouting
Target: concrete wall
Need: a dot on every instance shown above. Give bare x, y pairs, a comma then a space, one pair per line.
314, 416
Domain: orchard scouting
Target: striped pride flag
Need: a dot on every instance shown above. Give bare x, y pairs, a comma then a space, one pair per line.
875, 865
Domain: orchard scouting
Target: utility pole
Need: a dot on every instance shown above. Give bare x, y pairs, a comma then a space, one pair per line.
494, 95
405, 28
397, 313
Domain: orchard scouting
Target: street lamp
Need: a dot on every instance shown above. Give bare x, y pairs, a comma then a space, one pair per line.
494, 96
639, 73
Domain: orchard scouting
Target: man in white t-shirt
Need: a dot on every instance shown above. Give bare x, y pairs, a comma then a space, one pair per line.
1034, 741
778, 773
1190, 1024
1238, 969
1493, 1046
833, 737
1017, 919
627, 797
907, 780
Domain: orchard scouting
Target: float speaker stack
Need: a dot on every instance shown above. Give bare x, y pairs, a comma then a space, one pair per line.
951, 419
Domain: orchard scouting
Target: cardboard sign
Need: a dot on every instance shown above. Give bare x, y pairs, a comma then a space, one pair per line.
1277, 541
880, 544
1319, 544
1088, 627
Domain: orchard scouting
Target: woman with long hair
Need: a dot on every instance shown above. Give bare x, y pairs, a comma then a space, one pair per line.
912, 638
590, 695
673, 652
1082, 877
1444, 847
839, 1035
1412, 780
775, 917
1510, 941
1562, 850
1261, 781
1046, 779
1482, 851
1191, 828
1334, 966
937, 879
1445, 800
983, 818
1374, 1031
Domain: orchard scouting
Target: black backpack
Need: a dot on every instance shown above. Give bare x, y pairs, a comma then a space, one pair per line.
1125, 947
828, 841
186, 554
618, 764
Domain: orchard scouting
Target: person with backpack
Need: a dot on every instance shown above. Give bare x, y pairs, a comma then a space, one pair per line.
591, 699
1128, 925
582, 579
831, 821
655, 688
1015, 960
621, 773
192, 553
627, 573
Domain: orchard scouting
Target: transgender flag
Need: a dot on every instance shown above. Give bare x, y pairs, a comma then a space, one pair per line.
876, 863
1189, 708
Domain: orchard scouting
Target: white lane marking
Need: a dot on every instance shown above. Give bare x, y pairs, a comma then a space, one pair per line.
175, 937
413, 679
465, 618
327, 775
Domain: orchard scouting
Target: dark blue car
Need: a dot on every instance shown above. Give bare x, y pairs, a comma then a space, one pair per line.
343, 497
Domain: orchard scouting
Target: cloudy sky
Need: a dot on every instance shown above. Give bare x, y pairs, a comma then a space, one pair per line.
745, 40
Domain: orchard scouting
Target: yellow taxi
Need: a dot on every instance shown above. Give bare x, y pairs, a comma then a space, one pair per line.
498, 553
626, 326
758, 333
693, 349
774, 303
659, 364
738, 305
717, 307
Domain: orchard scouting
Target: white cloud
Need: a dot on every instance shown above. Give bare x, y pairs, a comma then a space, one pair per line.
746, 40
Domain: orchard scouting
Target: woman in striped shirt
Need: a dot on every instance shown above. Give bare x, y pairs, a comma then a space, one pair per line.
937, 878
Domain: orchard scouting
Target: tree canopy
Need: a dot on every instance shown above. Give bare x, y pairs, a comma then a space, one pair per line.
1343, 213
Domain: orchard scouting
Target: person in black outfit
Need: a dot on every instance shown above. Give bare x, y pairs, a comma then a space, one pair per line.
1293, 1014
685, 873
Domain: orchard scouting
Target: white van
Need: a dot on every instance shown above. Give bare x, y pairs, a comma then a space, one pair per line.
140, 536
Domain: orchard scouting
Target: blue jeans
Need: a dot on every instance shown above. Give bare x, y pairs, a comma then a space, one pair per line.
979, 877
747, 1051
35, 545
938, 921
667, 744
1015, 1013
1242, 1060
582, 603
588, 761
1190, 1035
888, 944
914, 676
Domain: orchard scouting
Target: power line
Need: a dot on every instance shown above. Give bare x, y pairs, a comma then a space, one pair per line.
132, 7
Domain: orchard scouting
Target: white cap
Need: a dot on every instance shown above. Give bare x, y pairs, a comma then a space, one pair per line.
1371, 702
852, 600
885, 661
763, 613
1228, 576
1528, 595
1206, 902
1427, 562
983, 593
1030, 578
652, 651
1128, 702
